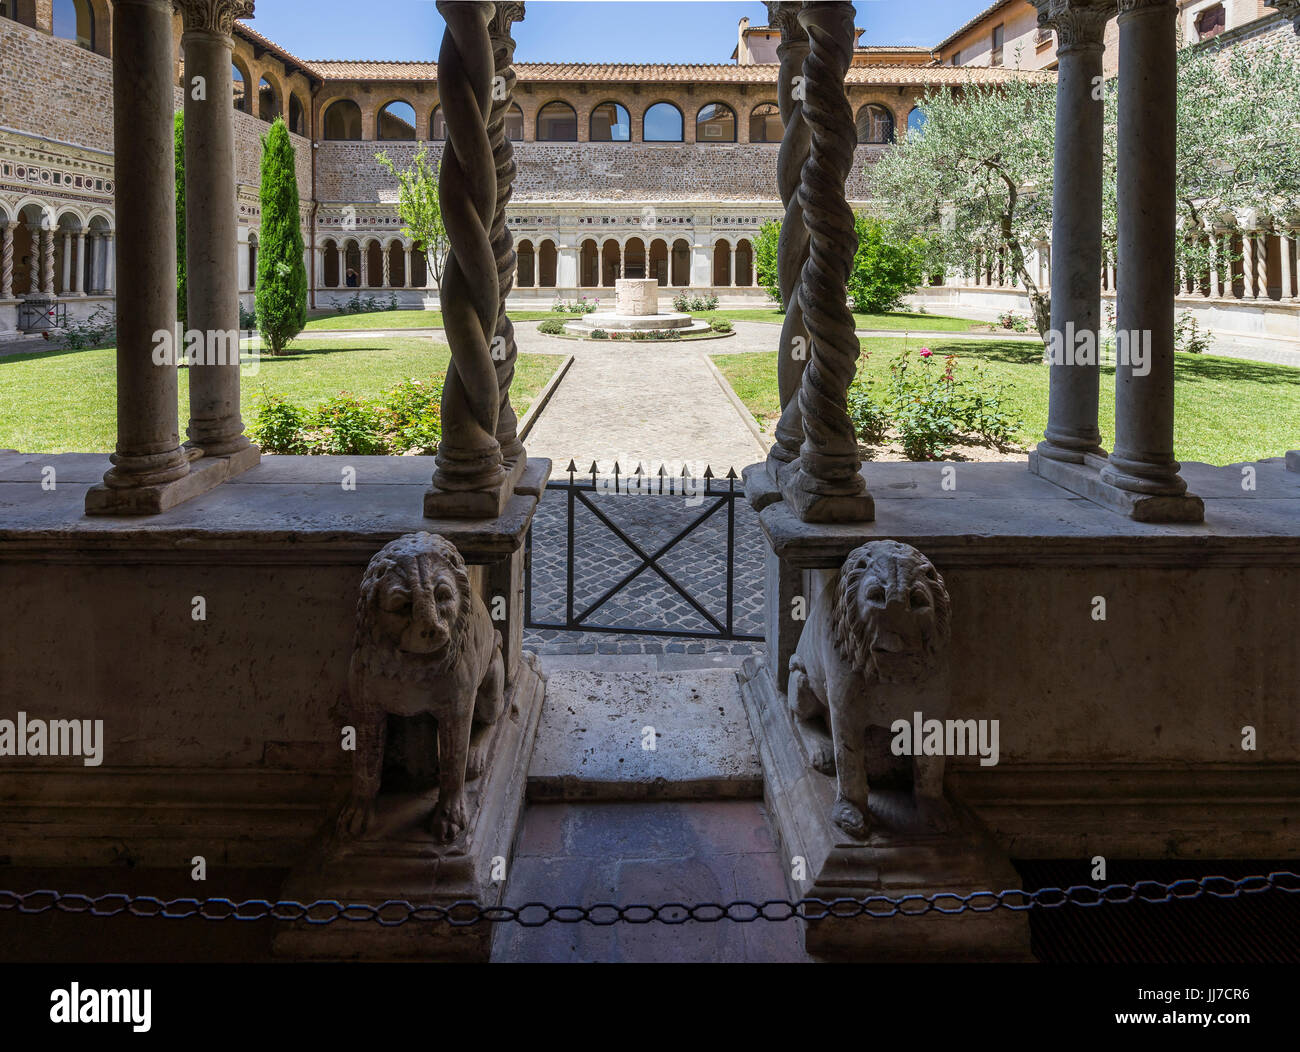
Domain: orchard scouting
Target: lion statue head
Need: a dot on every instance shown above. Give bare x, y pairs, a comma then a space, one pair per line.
891, 616
414, 608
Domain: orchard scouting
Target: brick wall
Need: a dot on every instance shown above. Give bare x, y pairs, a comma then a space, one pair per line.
552, 172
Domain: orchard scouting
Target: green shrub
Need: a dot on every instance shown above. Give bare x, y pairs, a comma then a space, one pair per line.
1188, 338
870, 420
599, 334
721, 325
765, 257
281, 273
884, 269
552, 327
99, 330
406, 420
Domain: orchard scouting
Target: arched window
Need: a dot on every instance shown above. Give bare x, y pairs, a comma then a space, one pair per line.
252, 262
73, 20
297, 116
715, 122
438, 125
589, 265
330, 266
916, 121
765, 123
515, 123
397, 122
1211, 22
546, 265
242, 101
662, 123
611, 122
268, 105
343, 121
557, 122
681, 263
525, 265
721, 264
875, 124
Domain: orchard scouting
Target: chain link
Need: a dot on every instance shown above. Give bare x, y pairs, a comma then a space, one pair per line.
395, 912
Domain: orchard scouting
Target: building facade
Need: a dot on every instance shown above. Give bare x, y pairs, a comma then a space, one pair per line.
655, 170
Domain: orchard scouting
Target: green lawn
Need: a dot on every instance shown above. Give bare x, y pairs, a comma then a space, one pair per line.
68, 398
1227, 411
403, 319
899, 321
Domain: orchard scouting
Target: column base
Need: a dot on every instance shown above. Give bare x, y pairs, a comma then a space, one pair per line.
398, 859
206, 473
902, 856
482, 503
1293, 460
1085, 480
823, 508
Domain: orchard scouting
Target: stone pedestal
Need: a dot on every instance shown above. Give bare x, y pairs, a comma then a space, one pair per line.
636, 297
396, 856
399, 859
900, 857
902, 854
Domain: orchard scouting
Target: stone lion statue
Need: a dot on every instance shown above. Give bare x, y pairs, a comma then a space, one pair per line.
424, 644
874, 649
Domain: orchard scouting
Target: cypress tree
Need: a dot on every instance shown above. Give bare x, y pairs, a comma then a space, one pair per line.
182, 306
281, 274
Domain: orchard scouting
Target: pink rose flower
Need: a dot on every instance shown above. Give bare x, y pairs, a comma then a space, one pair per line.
926, 352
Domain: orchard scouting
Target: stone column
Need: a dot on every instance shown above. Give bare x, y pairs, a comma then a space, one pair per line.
1248, 265
67, 262
1141, 469
7, 263
34, 262
211, 226
149, 461
79, 275
1261, 265
47, 262
470, 480
505, 352
1284, 248
110, 264
363, 281
388, 266
408, 274
1216, 289
828, 486
566, 266
1073, 398
792, 250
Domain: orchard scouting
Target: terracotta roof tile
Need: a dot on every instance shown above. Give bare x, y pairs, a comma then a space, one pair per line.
270, 45
663, 73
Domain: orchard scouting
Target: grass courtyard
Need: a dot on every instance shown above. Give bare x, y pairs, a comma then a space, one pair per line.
402, 319
68, 398
896, 321
1227, 410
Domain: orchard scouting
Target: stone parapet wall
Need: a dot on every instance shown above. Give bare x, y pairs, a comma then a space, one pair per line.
347, 172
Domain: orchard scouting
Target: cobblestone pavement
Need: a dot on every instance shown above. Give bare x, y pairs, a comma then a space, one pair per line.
601, 560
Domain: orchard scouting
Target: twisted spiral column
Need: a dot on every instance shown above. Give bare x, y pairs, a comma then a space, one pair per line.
829, 487
469, 456
47, 261
7, 264
792, 250
503, 246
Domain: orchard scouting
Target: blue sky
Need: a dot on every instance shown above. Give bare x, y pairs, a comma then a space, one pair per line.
577, 31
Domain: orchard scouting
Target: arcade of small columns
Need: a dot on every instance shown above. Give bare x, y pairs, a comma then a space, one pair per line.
1246, 262
544, 262
815, 457
66, 254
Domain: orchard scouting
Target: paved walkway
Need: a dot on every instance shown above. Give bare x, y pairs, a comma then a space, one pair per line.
644, 403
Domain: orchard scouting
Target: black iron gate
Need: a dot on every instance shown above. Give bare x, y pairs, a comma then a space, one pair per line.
709, 507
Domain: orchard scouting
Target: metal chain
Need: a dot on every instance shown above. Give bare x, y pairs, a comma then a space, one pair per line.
394, 912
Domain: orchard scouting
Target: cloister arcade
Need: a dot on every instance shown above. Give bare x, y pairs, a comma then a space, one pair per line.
51, 251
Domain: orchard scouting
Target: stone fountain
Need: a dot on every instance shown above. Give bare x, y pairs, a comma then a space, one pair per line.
636, 309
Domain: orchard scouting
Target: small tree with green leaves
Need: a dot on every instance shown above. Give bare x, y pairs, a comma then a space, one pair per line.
419, 208
765, 257
885, 269
182, 289
281, 273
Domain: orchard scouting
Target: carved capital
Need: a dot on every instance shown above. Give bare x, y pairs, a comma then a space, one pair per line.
1079, 24
506, 15
1288, 9
1140, 7
213, 16
785, 17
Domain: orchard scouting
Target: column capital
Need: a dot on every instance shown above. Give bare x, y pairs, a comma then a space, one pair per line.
1134, 7
1079, 24
1287, 9
213, 16
507, 13
784, 16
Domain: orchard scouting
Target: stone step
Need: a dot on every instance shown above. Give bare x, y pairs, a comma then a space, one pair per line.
597, 726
